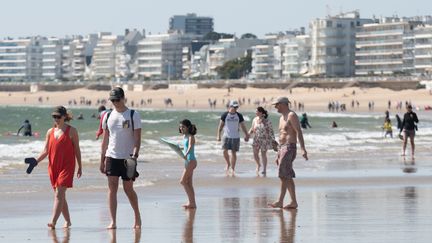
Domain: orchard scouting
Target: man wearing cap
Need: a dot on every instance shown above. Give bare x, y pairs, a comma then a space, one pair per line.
230, 123
408, 126
289, 131
121, 141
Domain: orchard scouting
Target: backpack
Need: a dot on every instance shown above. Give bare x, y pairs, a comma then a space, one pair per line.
108, 113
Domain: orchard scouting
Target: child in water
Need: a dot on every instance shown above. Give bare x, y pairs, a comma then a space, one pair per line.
188, 130
387, 127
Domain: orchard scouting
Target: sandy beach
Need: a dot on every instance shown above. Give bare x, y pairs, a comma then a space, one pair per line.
183, 98
355, 187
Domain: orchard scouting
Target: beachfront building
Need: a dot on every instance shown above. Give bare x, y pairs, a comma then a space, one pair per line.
161, 56
191, 24
103, 64
51, 59
333, 44
21, 59
386, 47
423, 50
81, 55
225, 50
267, 59
296, 54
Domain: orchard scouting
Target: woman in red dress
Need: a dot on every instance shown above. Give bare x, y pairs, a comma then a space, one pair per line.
62, 149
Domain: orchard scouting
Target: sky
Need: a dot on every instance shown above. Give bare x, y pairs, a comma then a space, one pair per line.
59, 18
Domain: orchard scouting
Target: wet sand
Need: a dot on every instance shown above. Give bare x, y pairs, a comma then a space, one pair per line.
395, 209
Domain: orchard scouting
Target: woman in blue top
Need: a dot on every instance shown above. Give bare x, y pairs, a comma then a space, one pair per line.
188, 130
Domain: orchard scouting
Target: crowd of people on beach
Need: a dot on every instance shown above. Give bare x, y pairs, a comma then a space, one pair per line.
120, 128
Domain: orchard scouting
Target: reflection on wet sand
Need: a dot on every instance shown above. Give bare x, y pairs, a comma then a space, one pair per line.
409, 165
230, 218
287, 233
55, 239
113, 235
188, 226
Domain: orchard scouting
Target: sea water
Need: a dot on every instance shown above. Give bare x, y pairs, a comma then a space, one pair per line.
357, 147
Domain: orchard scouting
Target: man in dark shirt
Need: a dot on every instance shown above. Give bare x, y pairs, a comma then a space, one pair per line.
26, 127
409, 127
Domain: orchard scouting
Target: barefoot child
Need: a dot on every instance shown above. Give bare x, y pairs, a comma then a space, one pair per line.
188, 130
62, 149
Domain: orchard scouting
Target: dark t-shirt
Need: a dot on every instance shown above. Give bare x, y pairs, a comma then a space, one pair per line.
409, 120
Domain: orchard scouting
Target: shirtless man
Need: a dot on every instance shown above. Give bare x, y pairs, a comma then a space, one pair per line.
289, 131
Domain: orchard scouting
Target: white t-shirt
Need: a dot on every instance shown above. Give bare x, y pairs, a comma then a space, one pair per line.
232, 124
121, 139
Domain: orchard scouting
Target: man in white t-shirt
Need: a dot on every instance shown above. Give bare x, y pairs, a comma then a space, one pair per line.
121, 141
230, 123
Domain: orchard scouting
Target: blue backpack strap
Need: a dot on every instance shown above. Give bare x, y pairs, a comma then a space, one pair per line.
132, 120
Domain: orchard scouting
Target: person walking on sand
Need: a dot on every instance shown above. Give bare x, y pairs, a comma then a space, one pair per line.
263, 138
102, 111
121, 141
188, 130
289, 131
409, 127
62, 149
230, 122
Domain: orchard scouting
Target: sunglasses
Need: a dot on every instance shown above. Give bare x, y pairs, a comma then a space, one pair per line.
56, 117
115, 100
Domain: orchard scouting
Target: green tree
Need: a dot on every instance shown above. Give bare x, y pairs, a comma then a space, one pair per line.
248, 36
214, 36
235, 69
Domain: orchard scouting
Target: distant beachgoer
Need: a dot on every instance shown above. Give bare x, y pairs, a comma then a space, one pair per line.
289, 132
399, 121
63, 151
304, 121
387, 127
121, 142
263, 139
409, 126
231, 122
334, 124
26, 127
188, 130
80, 116
102, 112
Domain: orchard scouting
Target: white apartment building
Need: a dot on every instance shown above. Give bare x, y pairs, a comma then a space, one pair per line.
20, 59
52, 59
423, 50
225, 50
296, 53
385, 47
104, 56
333, 44
161, 56
266, 59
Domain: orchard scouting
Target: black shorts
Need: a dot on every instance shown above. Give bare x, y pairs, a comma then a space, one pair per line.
117, 167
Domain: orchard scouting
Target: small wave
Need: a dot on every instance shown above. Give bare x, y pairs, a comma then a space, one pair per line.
347, 115
157, 121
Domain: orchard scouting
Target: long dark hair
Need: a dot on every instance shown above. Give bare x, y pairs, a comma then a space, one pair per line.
262, 110
191, 127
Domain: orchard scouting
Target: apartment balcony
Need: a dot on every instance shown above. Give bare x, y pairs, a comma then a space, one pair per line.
378, 53
378, 62
361, 44
13, 68
422, 56
380, 33
423, 46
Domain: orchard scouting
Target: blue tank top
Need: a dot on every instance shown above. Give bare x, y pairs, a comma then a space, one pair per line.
191, 155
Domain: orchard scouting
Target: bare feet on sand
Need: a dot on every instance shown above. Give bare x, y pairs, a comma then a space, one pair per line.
67, 225
137, 223
112, 226
51, 225
189, 206
275, 205
291, 206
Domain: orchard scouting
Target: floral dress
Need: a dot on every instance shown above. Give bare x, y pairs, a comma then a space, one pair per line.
263, 135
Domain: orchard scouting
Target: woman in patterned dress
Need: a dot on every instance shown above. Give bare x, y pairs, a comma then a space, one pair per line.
263, 138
